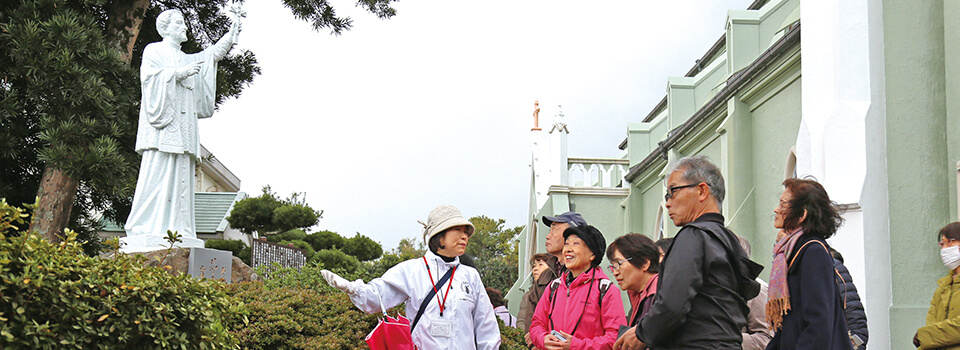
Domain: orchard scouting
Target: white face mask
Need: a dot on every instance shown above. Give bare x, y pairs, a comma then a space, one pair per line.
950, 257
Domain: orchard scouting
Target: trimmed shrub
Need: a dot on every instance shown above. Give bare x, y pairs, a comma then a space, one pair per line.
245, 255
511, 338
325, 240
55, 296
332, 259
233, 245
289, 318
287, 236
285, 306
362, 247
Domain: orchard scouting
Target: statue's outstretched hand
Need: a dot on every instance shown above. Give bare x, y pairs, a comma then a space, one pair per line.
341, 283
188, 70
238, 13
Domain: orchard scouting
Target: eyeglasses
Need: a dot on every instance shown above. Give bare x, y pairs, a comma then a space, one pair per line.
615, 265
673, 189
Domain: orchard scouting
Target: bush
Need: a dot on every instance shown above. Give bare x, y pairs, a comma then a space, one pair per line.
54, 296
325, 240
233, 245
362, 247
290, 318
332, 259
245, 255
290, 300
294, 234
511, 338
294, 215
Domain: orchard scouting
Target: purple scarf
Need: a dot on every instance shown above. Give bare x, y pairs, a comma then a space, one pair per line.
778, 302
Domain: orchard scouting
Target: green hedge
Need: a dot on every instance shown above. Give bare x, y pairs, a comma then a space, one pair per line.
235, 246
298, 309
288, 318
55, 296
335, 259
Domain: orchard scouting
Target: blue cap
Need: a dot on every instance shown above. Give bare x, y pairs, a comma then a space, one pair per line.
569, 217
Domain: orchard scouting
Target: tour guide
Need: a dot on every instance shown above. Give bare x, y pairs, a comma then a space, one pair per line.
445, 301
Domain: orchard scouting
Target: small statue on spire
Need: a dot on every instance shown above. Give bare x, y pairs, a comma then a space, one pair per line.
536, 115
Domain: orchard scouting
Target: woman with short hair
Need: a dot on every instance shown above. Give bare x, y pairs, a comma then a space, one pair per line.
811, 316
634, 263
942, 329
445, 300
538, 264
581, 309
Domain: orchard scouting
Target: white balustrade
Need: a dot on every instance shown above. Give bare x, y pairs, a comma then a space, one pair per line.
596, 172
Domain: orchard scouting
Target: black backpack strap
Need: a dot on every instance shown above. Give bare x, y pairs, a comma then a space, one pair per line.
552, 296
426, 301
553, 289
603, 286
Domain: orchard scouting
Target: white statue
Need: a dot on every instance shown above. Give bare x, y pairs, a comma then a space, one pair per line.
177, 88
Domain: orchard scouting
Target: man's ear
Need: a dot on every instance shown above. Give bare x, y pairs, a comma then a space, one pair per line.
704, 191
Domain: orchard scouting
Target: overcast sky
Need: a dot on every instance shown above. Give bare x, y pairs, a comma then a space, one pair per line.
434, 106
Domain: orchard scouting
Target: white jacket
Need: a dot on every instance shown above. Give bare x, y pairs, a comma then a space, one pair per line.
467, 309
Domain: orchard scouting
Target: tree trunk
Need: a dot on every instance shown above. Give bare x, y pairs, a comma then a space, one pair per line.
123, 25
58, 190
57, 193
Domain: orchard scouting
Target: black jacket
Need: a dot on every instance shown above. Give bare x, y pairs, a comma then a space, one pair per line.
815, 320
853, 308
698, 305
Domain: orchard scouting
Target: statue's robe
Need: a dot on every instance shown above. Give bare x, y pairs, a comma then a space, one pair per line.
168, 137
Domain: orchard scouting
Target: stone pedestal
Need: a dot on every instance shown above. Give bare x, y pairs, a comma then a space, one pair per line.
182, 261
149, 243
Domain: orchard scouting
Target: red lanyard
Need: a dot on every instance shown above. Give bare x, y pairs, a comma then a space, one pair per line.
447, 293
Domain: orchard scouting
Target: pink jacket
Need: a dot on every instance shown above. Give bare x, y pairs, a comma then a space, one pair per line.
597, 329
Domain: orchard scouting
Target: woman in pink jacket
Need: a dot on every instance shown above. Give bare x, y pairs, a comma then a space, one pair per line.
582, 306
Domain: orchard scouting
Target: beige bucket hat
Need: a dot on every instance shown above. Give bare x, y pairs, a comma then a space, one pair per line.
442, 218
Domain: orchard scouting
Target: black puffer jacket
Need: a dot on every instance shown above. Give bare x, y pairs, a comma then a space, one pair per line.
853, 308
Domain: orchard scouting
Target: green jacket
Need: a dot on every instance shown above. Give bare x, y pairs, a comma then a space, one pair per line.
942, 330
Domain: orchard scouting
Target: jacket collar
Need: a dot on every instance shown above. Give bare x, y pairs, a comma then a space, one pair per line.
710, 217
650, 288
433, 258
949, 279
585, 277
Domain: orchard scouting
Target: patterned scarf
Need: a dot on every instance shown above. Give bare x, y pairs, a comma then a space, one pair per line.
778, 302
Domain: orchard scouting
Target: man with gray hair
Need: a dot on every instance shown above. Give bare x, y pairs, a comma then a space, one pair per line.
705, 277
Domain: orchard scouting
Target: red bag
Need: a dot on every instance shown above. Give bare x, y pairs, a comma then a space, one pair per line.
390, 333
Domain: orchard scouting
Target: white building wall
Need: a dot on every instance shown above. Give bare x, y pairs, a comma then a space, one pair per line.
842, 71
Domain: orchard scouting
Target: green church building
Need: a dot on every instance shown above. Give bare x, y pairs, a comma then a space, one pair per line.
863, 95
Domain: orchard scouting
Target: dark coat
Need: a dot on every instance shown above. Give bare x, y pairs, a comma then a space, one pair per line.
698, 305
853, 308
815, 320
530, 299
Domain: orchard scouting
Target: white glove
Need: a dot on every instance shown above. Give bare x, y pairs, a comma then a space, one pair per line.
341, 283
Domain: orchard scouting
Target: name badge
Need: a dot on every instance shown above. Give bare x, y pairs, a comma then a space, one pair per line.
440, 328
